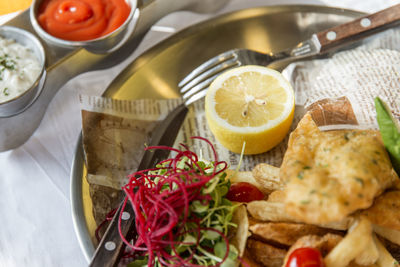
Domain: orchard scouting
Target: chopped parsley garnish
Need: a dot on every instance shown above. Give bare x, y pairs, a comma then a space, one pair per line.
359, 180
300, 175
7, 63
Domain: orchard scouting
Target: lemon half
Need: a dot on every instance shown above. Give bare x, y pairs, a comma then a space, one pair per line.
251, 104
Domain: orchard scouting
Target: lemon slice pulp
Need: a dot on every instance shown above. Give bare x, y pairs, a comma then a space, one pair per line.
251, 104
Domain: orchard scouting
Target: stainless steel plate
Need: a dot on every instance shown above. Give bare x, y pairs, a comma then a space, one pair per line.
156, 73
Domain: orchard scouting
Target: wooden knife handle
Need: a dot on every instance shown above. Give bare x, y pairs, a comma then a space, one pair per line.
359, 28
111, 247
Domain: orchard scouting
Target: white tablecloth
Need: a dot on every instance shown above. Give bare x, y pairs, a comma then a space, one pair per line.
35, 215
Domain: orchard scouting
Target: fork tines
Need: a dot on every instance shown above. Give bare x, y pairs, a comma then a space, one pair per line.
195, 84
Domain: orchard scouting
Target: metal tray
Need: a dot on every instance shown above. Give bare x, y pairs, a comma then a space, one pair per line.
156, 73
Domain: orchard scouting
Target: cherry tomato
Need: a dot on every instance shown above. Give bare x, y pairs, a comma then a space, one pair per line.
244, 192
305, 257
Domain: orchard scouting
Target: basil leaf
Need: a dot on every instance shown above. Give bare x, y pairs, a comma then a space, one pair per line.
389, 131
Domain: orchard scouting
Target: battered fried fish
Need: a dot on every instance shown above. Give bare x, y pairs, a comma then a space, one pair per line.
331, 174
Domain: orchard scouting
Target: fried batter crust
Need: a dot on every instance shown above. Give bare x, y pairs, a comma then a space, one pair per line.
334, 173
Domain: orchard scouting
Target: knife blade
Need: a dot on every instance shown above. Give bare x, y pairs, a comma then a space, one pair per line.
111, 246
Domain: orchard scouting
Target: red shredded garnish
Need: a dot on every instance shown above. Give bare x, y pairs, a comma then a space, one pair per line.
162, 208
108, 218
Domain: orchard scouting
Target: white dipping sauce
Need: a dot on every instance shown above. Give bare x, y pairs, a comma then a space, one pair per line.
19, 69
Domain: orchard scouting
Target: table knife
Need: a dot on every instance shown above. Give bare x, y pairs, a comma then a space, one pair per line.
111, 246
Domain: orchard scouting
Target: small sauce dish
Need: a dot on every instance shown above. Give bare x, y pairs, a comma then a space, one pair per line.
30, 46
78, 19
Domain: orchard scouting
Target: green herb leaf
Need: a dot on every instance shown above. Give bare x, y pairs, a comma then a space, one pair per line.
212, 235
220, 251
223, 190
359, 180
198, 207
300, 175
138, 263
390, 132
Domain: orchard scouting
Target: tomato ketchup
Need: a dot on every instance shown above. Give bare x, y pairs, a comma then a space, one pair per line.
244, 192
82, 20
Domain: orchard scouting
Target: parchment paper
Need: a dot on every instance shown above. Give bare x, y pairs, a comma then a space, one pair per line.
115, 133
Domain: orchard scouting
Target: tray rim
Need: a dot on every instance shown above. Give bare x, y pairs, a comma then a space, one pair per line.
79, 222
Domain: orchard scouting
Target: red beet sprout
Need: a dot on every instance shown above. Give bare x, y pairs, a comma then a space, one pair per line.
108, 218
161, 199
243, 262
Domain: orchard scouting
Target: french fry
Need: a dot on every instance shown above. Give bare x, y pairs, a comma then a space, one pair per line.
277, 196
369, 255
390, 234
275, 212
352, 245
265, 253
269, 211
242, 230
268, 177
247, 177
385, 258
250, 262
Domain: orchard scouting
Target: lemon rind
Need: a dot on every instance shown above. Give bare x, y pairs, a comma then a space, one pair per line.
217, 83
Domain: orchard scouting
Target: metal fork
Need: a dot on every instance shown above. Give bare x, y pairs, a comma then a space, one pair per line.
194, 85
